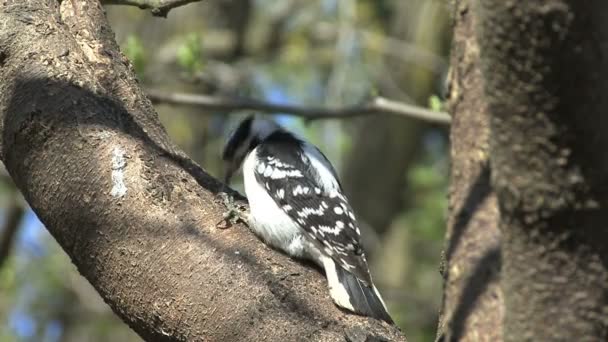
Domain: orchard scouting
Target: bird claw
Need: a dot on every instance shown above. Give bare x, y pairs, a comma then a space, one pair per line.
235, 212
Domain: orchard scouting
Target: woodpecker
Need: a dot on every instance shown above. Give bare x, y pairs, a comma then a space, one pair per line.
297, 205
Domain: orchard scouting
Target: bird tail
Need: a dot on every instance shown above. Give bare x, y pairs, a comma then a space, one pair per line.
349, 292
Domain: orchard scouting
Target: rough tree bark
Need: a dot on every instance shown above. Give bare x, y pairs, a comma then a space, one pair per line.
544, 67
137, 217
472, 304
158, 8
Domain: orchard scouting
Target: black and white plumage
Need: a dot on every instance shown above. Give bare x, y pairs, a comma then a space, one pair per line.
297, 205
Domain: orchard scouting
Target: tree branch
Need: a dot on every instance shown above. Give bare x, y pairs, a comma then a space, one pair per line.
138, 217
13, 216
159, 8
378, 105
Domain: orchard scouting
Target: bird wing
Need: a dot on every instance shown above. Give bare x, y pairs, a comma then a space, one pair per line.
303, 184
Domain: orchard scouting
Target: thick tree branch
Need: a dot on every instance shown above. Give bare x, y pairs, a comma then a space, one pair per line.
138, 217
158, 8
378, 105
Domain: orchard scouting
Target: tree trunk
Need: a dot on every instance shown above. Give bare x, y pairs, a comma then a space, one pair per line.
137, 217
472, 304
544, 68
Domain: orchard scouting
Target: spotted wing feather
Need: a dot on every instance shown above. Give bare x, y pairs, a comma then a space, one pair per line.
319, 208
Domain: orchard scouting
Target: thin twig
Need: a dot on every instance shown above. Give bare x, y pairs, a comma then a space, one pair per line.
403, 49
159, 8
378, 105
13, 216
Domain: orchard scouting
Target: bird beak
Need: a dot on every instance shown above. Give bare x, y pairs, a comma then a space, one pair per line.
229, 169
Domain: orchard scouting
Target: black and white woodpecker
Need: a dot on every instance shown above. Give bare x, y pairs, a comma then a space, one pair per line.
297, 206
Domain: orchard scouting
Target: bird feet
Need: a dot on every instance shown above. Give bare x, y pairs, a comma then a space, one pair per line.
235, 212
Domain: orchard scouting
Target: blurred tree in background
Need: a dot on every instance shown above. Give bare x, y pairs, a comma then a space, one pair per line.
330, 52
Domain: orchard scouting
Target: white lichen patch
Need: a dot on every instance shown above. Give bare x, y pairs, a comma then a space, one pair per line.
119, 164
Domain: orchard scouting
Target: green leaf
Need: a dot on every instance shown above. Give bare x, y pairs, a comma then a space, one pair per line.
134, 50
435, 103
190, 53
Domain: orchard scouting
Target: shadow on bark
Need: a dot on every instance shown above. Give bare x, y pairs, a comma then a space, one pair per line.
486, 271
61, 95
480, 190
473, 261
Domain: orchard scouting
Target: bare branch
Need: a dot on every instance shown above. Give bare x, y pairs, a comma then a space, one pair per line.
378, 105
159, 8
13, 216
403, 50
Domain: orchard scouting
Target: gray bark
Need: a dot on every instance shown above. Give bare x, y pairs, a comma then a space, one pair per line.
544, 68
473, 302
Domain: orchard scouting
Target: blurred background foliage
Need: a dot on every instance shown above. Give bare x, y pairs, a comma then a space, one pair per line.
305, 52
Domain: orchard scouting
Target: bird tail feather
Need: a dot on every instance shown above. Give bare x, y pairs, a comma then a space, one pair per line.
353, 294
